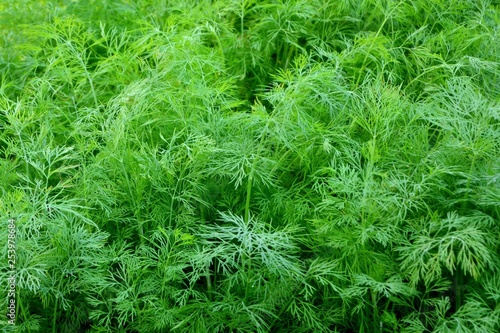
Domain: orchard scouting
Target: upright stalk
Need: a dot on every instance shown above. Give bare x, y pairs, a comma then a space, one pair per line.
54, 318
250, 180
458, 280
246, 217
207, 269
248, 196
376, 320
242, 16
23, 311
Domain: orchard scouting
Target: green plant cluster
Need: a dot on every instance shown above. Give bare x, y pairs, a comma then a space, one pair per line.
251, 166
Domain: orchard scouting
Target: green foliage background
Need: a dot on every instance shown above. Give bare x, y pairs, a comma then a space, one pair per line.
251, 166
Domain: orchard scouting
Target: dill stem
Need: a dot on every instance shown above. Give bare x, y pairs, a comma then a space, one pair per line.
375, 311
54, 317
207, 269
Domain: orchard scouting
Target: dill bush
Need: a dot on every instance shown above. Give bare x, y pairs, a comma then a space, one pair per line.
251, 166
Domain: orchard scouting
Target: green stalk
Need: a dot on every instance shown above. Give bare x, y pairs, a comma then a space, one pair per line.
23, 148
250, 181
247, 266
246, 217
89, 79
290, 52
20, 305
134, 202
371, 46
375, 311
279, 51
248, 196
283, 309
207, 272
54, 318
471, 170
458, 281
172, 201
242, 17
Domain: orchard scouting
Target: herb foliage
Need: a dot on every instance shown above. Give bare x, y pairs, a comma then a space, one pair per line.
251, 166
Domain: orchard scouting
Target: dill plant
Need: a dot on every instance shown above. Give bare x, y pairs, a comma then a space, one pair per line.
251, 166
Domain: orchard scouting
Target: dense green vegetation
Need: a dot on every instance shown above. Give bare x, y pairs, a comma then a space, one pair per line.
251, 166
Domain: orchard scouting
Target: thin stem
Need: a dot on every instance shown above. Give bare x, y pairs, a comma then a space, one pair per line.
207, 269
283, 309
54, 317
290, 52
242, 16
375, 311
246, 218
458, 281
371, 46
87, 75
248, 197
